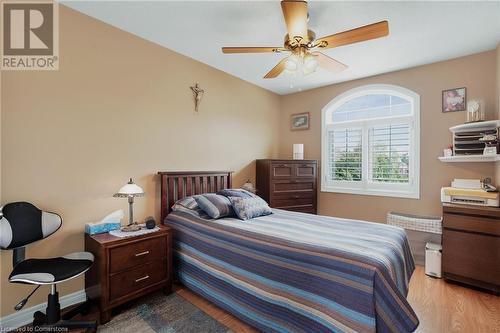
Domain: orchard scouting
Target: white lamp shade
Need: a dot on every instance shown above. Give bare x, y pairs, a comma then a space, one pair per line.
130, 189
298, 151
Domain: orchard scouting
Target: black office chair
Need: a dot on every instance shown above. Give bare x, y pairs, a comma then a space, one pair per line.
21, 224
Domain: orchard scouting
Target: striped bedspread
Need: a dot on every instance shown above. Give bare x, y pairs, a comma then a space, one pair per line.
295, 272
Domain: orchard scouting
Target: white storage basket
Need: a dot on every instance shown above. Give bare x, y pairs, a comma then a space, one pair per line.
415, 222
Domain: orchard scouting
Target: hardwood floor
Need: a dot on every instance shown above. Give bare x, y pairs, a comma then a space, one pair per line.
447, 307
441, 307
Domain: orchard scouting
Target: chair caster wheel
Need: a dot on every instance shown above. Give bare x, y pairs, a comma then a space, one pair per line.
39, 318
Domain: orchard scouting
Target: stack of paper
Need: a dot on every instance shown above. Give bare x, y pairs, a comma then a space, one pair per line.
472, 184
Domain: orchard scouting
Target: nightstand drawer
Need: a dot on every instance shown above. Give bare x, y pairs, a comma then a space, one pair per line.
124, 257
472, 224
127, 282
477, 262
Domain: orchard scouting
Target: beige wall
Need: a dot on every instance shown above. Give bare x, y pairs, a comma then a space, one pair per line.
118, 107
476, 72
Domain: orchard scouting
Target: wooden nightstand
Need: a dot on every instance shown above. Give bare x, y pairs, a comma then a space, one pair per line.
471, 245
126, 268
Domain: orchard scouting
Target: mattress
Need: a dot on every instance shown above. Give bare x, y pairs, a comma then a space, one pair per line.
297, 272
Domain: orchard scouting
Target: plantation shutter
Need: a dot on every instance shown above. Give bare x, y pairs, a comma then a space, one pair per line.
345, 154
389, 151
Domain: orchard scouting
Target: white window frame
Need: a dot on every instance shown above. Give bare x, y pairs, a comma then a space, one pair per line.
365, 187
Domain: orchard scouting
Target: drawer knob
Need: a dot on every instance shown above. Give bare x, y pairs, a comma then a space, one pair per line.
142, 278
141, 253
296, 196
293, 181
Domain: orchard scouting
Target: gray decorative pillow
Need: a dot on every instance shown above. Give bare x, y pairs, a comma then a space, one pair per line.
186, 202
190, 206
248, 208
236, 192
216, 206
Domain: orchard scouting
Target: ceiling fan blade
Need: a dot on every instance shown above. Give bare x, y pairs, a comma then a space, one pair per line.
295, 13
252, 49
367, 32
328, 63
277, 70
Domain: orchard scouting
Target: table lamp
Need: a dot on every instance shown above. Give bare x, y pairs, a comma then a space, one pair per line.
130, 191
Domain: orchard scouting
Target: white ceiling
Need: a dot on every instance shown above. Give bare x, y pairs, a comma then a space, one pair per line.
420, 33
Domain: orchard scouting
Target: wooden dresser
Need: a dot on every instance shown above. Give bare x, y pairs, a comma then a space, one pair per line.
288, 184
471, 245
126, 268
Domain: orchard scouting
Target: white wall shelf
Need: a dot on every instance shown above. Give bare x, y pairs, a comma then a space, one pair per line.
470, 158
480, 125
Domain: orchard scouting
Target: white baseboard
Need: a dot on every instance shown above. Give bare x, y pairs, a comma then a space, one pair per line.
25, 316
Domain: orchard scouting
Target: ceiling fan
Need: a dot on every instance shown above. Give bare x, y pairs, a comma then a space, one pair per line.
303, 44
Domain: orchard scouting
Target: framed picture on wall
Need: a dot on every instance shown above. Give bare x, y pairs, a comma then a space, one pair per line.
299, 121
454, 99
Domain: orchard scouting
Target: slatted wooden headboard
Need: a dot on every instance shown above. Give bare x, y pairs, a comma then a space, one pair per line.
177, 185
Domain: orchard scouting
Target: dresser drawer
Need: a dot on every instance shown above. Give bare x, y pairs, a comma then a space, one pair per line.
124, 257
282, 170
129, 281
305, 170
301, 209
293, 195
472, 223
282, 203
293, 185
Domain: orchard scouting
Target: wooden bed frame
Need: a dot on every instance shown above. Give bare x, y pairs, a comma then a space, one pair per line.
177, 185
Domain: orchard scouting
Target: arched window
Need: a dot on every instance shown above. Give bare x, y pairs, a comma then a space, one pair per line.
370, 142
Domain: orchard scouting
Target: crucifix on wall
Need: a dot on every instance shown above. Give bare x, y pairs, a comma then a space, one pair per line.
198, 95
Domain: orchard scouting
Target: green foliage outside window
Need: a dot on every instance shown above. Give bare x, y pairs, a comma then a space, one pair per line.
348, 166
387, 166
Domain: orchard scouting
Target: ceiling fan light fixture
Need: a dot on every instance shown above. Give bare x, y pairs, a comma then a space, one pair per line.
292, 63
303, 44
310, 64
